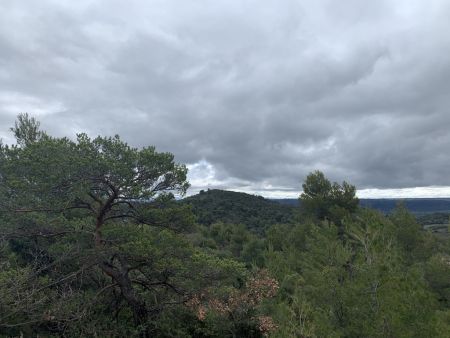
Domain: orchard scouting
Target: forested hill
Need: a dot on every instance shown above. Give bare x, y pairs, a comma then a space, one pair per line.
414, 205
255, 212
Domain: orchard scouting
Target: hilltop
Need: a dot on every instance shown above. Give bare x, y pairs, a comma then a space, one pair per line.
256, 212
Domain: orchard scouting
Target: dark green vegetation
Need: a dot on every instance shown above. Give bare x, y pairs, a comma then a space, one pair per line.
255, 212
93, 244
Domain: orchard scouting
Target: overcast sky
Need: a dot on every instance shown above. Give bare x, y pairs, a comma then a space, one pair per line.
251, 94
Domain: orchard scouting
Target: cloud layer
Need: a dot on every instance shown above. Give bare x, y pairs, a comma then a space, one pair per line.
252, 95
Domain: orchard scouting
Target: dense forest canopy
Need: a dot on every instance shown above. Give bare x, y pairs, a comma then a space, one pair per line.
93, 243
255, 212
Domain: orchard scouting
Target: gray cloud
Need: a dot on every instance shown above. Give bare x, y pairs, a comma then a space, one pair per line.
253, 95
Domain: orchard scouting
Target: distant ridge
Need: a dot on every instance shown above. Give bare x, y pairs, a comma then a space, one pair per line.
386, 205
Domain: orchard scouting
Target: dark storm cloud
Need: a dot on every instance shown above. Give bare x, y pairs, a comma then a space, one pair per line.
253, 95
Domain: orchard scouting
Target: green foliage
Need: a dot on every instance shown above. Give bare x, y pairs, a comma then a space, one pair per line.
26, 130
327, 201
255, 212
360, 287
92, 238
230, 240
